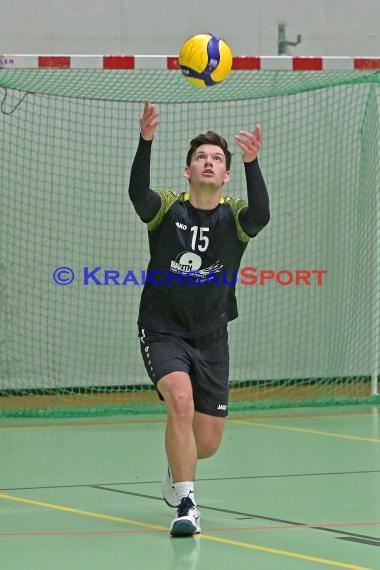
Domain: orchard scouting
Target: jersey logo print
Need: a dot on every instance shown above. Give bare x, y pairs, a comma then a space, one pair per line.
186, 262
189, 262
181, 226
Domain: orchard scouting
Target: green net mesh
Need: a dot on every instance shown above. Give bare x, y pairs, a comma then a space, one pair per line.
67, 140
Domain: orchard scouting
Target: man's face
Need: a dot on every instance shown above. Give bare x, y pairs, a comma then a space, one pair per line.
207, 167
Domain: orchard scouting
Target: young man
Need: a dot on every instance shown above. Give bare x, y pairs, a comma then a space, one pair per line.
196, 241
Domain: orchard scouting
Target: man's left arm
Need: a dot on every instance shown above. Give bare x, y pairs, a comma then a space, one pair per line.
257, 215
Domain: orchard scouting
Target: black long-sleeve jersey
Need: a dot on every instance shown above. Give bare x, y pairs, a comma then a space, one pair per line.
195, 254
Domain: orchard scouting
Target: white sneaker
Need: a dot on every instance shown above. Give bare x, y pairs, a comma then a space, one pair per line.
168, 491
188, 519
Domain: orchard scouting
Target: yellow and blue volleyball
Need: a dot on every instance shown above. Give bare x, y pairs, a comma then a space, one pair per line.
205, 60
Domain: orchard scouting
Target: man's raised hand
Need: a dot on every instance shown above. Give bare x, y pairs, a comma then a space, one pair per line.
250, 143
149, 121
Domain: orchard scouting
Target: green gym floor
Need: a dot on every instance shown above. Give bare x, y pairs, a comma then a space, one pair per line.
288, 489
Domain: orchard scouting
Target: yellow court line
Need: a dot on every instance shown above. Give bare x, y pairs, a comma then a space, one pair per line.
73, 424
325, 561
237, 543
305, 430
120, 422
80, 512
314, 416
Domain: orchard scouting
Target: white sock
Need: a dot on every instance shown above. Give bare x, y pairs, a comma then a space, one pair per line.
185, 489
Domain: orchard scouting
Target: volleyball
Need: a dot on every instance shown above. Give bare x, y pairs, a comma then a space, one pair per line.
205, 60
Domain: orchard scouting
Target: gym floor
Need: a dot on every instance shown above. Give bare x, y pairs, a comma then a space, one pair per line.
288, 489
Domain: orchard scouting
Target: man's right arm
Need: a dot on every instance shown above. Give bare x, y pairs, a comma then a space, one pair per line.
145, 201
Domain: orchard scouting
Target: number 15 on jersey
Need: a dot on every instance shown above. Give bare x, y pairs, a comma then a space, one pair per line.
200, 240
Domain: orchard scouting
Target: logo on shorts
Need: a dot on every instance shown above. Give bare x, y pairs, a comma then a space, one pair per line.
222, 407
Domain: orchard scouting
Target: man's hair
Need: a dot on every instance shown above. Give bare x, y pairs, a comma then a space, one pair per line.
211, 137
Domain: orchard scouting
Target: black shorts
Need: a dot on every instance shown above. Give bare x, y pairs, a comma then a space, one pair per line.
205, 359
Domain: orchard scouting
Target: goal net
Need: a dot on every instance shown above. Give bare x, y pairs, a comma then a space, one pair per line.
308, 331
